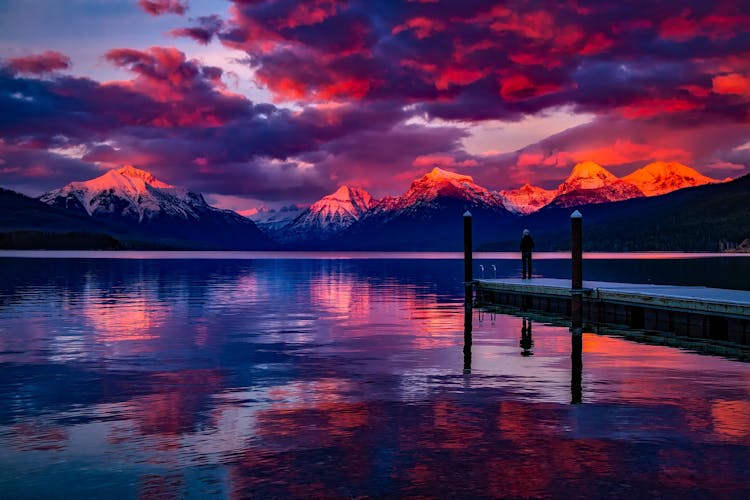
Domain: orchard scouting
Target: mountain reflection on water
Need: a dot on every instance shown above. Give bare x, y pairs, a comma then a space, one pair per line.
299, 378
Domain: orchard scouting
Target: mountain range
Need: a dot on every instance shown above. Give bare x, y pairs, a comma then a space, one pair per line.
137, 210
711, 217
440, 190
589, 183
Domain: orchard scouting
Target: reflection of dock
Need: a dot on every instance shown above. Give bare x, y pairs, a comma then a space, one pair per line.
691, 311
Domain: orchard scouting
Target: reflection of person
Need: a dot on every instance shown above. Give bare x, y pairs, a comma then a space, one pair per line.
527, 245
526, 342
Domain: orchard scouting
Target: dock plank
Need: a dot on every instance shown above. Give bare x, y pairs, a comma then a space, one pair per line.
685, 298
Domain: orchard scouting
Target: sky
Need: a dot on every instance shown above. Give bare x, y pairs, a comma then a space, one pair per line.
272, 102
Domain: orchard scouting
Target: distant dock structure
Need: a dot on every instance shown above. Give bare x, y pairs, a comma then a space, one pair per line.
690, 311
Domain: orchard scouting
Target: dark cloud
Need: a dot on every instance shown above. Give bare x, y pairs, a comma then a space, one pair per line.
38, 64
176, 118
159, 7
35, 170
204, 30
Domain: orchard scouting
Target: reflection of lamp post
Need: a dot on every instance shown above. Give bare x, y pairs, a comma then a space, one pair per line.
526, 341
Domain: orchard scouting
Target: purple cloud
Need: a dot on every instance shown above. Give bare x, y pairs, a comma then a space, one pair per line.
39, 64
159, 7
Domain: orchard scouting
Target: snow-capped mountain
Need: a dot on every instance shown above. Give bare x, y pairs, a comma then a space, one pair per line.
663, 177
440, 184
135, 198
270, 220
590, 183
328, 216
429, 215
127, 192
527, 199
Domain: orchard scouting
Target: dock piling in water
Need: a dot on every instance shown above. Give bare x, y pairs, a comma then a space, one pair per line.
576, 286
468, 291
576, 249
468, 274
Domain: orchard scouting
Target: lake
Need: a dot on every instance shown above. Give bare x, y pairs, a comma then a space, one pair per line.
214, 374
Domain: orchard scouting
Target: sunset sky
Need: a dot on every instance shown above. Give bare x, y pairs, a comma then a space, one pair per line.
257, 102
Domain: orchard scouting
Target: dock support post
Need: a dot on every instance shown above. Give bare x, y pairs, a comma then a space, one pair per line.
576, 292
468, 273
468, 290
468, 264
576, 307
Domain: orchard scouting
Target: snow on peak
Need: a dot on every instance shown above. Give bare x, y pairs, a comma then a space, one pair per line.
354, 195
346, 202
440, 175
135, 173
587, 175
527, 199
126, 191
439, 182
661, 177
328, 216
589, 183
270, 220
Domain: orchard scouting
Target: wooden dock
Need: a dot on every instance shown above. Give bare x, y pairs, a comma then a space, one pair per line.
690, 311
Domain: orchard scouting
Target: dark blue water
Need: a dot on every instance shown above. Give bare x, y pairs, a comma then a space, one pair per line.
123, 378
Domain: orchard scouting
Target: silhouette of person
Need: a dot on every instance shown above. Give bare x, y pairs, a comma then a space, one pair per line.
526, 341
527, 246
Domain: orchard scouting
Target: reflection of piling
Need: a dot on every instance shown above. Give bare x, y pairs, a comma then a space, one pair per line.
576, 251
467, 331
526, 340
576, 368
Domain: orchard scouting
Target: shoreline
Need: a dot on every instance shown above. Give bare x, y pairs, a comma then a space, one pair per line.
347, 255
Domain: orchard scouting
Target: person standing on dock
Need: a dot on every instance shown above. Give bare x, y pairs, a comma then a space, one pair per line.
527, 246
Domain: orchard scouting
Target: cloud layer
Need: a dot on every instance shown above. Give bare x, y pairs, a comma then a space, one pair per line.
375, 93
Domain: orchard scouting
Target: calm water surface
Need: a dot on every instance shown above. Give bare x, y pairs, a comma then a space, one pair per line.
344, 377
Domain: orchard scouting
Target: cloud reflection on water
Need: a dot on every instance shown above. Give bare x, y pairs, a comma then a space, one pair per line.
338, 378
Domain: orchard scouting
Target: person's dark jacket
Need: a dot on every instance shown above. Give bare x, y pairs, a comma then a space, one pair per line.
527, 244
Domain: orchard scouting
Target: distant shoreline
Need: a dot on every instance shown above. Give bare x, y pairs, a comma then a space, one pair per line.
345, 255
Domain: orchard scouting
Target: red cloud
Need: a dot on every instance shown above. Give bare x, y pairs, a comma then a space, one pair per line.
163, 72
645, 108
679, 28
193, 94
518, 87
310, 13
423, 27
159, 7
596, 44
457, 76
716, 26
351, 87
38, 64
733, 83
